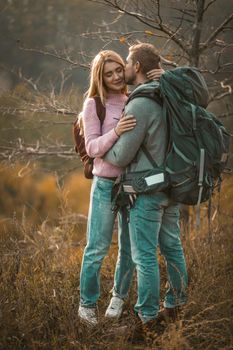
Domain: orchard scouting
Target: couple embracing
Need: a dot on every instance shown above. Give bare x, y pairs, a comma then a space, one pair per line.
153, 220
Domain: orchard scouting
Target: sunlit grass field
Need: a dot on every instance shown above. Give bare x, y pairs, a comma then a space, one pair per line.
41, 247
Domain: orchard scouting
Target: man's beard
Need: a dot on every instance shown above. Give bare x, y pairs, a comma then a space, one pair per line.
130, 80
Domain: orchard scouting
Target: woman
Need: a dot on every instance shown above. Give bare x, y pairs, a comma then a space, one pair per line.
106, 81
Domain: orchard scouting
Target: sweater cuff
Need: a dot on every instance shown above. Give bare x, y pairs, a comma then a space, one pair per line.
114, 134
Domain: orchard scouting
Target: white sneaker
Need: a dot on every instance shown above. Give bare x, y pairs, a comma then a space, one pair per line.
115, 308
88, 315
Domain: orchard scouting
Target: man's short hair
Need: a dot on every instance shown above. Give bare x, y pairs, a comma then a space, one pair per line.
146, 54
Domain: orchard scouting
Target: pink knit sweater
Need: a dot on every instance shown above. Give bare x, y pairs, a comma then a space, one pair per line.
98, 141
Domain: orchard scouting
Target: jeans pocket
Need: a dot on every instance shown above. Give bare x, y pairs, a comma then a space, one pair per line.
102, 192
104, 184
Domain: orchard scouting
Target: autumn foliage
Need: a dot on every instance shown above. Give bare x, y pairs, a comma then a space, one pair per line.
27, 192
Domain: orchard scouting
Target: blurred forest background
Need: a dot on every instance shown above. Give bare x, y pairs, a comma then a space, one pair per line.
45, 52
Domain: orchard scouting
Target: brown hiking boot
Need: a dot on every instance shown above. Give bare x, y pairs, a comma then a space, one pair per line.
169, 315
145, 332
136, 331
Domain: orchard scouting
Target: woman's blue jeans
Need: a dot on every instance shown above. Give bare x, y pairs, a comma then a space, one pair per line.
154, 221
99, 236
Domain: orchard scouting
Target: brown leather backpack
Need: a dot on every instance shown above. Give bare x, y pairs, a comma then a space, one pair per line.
80, 142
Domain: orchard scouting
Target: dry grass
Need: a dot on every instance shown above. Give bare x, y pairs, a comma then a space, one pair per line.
39, 290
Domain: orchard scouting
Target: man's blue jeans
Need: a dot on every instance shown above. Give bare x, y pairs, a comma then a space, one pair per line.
99, 236
154, 221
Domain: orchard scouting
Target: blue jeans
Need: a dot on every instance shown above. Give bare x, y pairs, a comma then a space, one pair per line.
154, 221
99, 236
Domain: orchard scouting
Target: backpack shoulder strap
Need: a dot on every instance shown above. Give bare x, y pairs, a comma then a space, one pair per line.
100, 109
153, 95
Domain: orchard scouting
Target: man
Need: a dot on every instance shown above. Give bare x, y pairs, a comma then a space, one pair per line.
154, 218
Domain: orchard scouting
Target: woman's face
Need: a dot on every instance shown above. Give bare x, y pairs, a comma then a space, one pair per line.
113, 77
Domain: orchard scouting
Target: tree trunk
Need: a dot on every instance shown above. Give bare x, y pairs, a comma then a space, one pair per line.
197, 30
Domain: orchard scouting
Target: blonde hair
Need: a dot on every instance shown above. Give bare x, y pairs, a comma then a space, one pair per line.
97, 87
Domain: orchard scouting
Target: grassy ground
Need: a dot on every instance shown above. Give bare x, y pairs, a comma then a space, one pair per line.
39, 289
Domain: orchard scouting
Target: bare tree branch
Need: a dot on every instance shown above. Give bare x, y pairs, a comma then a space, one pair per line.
216, 32
20, 149
148, 21
225, 115
219, 95
36, 110
185, 12
58, 56
209, 4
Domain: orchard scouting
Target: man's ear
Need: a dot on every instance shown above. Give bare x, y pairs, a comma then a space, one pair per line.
137, 66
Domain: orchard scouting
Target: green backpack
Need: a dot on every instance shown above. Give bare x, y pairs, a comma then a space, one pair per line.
198, 142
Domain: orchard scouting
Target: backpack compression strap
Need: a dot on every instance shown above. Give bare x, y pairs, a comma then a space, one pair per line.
149, 156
